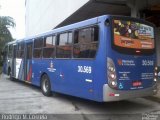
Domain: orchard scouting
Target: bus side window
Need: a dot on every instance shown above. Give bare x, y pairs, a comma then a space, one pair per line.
38, 44
85, 43
17, 51
29, 51
49, 47
14, 49
20, 50
10, 51
64, 45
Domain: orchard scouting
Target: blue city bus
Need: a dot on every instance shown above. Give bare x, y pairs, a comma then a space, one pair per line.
107, 58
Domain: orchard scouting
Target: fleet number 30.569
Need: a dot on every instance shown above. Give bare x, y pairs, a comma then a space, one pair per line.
85, 69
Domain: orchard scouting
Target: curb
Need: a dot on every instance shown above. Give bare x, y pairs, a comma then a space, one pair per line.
153, 98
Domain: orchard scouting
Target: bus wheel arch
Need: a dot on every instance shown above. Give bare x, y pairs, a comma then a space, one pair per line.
45, 85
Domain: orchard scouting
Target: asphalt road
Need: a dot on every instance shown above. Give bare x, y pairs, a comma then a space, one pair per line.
20, 98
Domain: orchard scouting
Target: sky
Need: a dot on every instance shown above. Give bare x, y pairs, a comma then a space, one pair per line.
16, 10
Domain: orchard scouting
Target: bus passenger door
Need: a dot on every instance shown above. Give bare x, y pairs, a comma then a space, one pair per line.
5, 60
28, 62
13, 69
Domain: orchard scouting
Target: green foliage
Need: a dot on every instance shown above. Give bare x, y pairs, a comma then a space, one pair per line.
6, 22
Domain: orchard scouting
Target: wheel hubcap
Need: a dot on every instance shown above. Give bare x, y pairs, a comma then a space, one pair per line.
45, 85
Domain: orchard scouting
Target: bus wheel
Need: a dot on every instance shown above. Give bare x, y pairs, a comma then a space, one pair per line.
10, 77
9, 71
45, 85
10, 74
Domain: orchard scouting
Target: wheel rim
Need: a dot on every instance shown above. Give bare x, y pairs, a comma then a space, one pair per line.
45, 85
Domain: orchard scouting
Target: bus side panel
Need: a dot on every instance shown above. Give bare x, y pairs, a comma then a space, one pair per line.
37, 68
40, 67
99, 70
71, 78
65, 77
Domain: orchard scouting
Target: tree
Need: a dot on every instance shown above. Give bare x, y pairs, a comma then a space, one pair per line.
6, 22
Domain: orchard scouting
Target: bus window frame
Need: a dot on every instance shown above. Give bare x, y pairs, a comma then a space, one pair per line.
33, 48
20, 50
57, 38
131, 51
72, 44
50, 35
26, 49
10, 55
98, 41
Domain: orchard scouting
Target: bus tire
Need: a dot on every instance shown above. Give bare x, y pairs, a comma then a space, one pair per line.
10, 74
10, 77
46, 85
9, 71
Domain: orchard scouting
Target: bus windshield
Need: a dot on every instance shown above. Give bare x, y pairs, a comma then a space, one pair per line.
133, 35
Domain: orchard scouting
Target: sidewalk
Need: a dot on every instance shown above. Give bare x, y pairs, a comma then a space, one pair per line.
158, 93
157, 96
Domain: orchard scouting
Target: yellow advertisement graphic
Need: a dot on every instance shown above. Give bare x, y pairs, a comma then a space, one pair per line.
133, 35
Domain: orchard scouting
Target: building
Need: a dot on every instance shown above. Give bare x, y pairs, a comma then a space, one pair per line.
44, 15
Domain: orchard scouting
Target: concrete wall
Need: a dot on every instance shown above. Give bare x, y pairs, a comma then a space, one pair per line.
157, 31
44, 15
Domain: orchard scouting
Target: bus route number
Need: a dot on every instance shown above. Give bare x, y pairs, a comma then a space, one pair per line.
85, 69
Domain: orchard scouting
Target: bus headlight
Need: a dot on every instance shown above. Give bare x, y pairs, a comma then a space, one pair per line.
111, 73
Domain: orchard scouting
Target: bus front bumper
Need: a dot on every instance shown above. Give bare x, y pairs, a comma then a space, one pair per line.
110, 94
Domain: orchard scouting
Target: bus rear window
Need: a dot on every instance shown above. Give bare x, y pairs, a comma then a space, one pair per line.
133, 35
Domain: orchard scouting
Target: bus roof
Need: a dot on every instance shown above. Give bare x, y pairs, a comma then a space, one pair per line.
81, 24
88, 22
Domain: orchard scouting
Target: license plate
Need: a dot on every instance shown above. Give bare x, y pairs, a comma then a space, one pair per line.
136, 83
